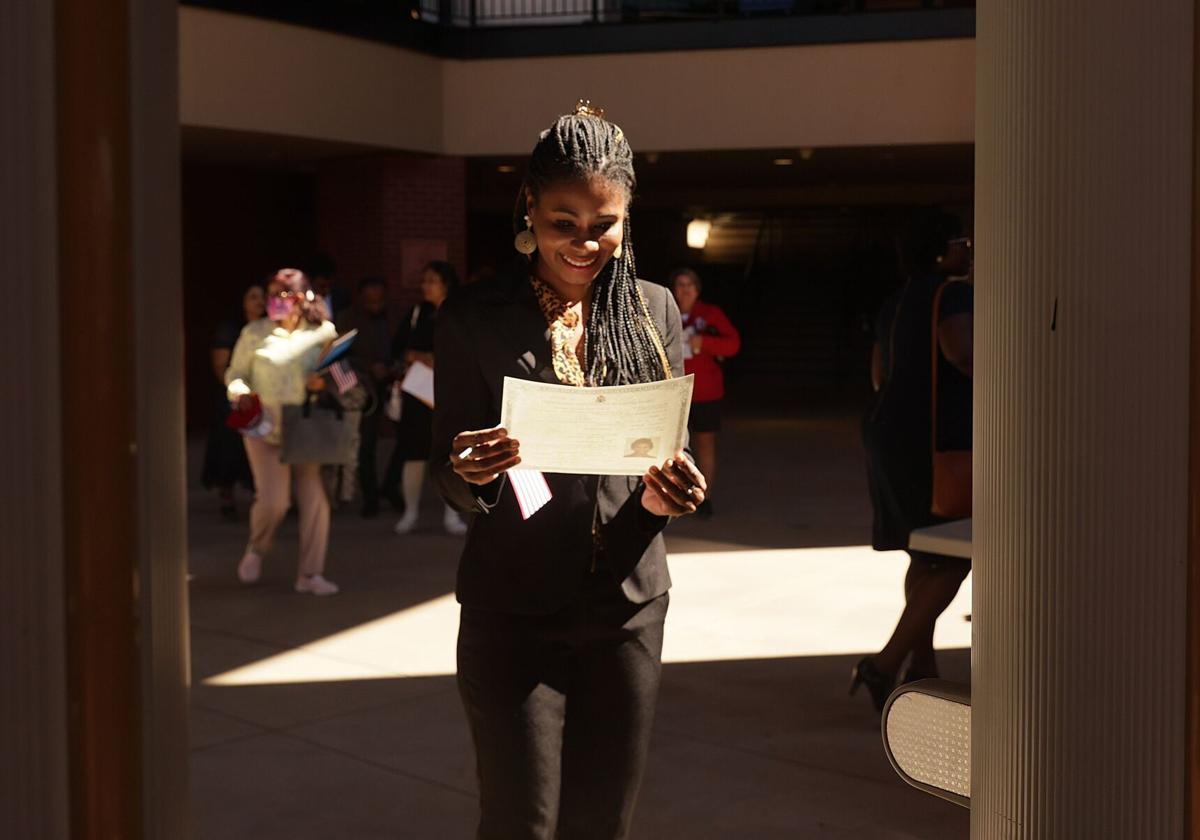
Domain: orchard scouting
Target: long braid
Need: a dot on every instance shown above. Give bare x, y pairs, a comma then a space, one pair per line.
623, 344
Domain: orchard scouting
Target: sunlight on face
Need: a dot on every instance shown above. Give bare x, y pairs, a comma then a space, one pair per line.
578, 225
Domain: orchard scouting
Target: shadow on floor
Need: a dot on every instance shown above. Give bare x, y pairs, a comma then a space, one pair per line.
746, 749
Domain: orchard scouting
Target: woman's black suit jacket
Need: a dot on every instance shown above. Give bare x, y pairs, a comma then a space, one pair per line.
490, 330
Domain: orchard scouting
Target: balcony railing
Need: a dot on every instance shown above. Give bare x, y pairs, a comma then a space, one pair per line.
470, 29
474, 13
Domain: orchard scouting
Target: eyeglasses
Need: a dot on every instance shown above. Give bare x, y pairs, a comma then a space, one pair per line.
287, 294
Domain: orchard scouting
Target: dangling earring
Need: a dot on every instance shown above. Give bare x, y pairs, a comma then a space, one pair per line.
526, 242
618, 251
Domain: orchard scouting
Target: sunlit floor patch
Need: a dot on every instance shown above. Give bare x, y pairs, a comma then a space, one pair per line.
793, 602
725, 605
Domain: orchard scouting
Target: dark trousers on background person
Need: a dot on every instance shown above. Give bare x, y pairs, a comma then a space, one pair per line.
368, 445
560, 709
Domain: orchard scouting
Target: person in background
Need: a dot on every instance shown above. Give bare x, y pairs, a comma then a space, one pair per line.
371, 354
225, 464
322, 277
898, 441
273, 364
708, 337
414, 344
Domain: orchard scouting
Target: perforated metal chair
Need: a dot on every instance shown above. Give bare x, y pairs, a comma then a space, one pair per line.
927, 737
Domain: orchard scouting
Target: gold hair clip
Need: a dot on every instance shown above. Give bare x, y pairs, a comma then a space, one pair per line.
585, 108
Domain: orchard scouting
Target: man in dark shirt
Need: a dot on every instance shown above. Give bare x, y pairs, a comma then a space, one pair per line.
371, 355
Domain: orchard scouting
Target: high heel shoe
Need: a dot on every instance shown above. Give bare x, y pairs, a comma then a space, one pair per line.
879, 684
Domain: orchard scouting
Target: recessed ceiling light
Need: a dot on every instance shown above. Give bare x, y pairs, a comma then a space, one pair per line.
506, 168
784, 161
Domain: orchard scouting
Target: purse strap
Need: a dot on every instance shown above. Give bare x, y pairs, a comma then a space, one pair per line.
936, 349
311, 398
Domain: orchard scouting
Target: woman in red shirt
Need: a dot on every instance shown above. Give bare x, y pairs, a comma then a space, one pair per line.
707, 336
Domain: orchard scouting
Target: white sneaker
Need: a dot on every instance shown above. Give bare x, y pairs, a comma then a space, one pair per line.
316, 585
250, 568
453, 524
406, 524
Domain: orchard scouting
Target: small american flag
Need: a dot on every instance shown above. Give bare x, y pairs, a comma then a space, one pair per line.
533, 493
343, 376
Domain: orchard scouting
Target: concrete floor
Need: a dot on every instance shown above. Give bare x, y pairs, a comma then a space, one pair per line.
338, 717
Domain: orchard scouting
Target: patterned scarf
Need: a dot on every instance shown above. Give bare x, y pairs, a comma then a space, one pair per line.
564, 324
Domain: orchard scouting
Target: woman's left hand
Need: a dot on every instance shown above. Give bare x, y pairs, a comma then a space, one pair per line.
675, 489
315, 383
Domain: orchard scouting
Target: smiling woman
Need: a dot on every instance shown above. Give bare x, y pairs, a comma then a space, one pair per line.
561, 629
578, 228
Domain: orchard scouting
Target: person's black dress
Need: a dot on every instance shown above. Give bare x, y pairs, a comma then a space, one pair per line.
414, 435
225, 463
897, 434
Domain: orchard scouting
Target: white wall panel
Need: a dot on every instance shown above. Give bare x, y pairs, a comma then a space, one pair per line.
1083, 231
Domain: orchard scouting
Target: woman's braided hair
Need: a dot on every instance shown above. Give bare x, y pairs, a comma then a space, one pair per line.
623, 344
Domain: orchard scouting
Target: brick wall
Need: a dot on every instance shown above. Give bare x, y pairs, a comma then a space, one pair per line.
389, 214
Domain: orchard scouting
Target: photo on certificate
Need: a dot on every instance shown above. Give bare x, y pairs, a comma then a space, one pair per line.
643, 447
612, 430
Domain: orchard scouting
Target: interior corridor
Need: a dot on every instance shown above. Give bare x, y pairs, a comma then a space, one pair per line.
339, 717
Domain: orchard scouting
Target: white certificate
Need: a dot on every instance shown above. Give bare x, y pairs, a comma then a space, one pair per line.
615, 430
418, 381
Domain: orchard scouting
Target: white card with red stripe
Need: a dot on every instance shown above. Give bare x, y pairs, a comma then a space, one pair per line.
531, 489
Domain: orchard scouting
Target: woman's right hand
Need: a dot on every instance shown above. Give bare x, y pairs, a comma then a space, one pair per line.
480, 457
245, 403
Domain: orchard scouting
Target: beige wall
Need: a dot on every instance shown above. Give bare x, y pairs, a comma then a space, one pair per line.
841, 95
253, 75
